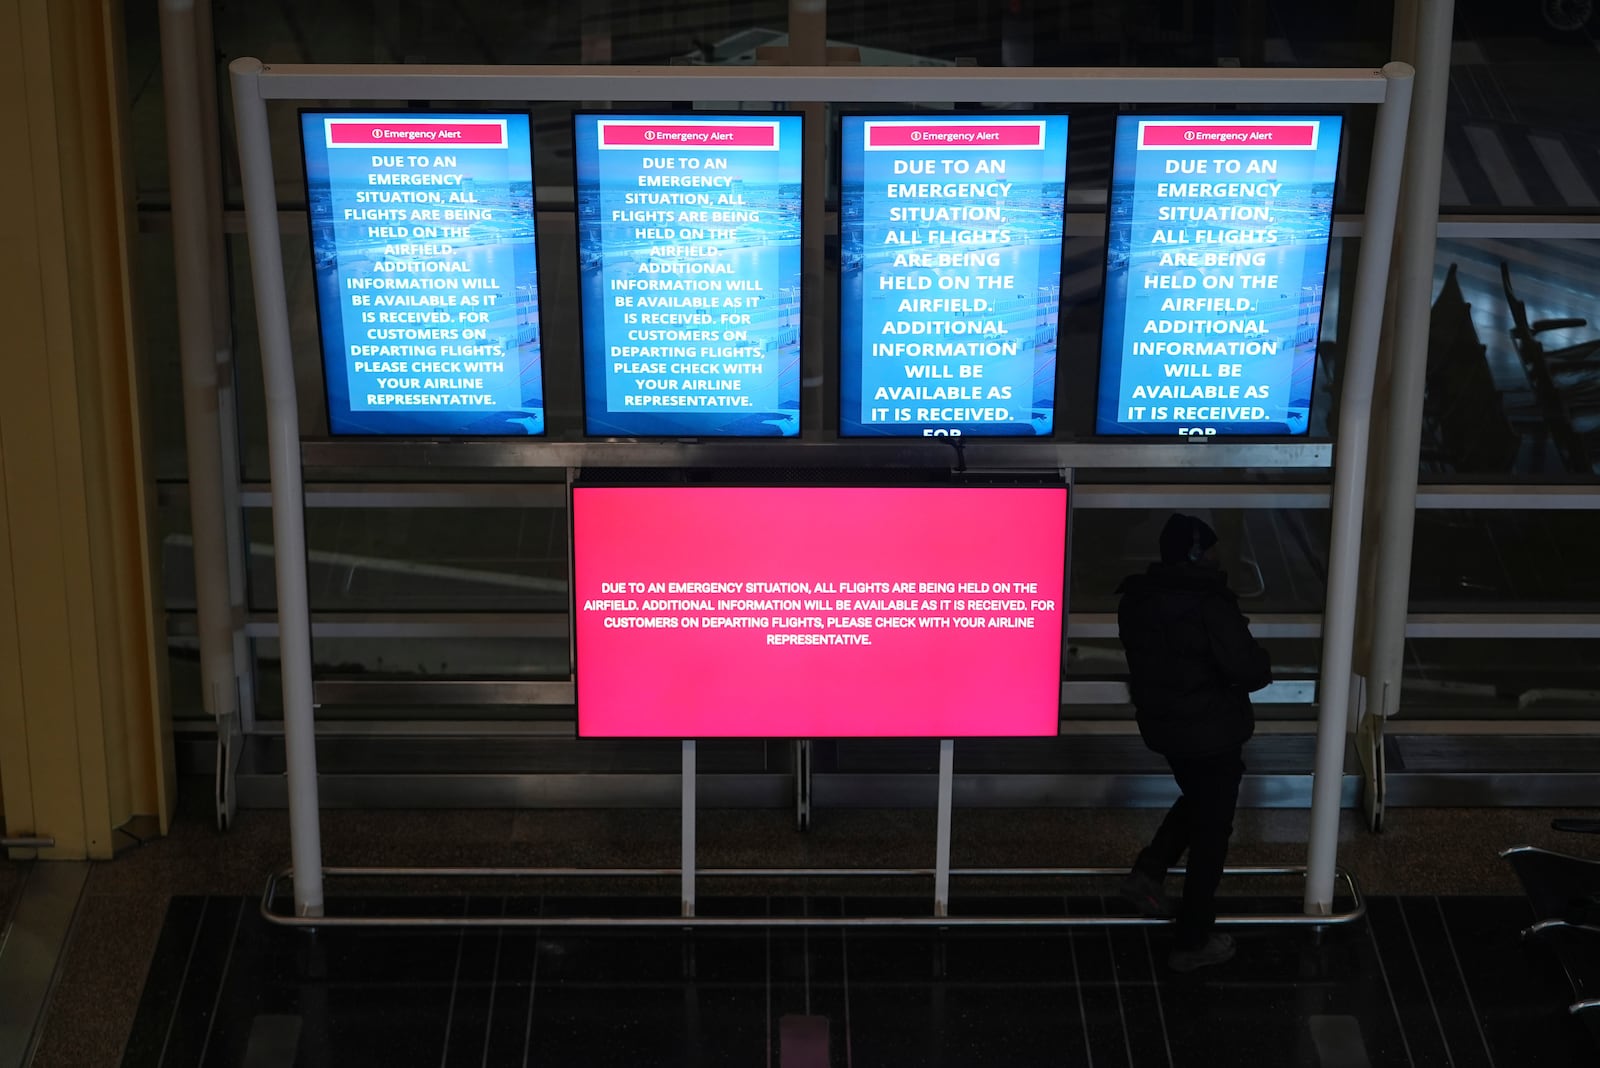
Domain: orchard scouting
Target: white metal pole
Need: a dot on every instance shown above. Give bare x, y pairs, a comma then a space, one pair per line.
1416, 248
191, 253
1349, 476
941, 863
222, 344
808, 46
288, 498
686, 864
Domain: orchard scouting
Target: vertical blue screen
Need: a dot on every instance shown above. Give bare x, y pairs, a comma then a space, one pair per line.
1216, 256
426, 272
950, 274
689, 241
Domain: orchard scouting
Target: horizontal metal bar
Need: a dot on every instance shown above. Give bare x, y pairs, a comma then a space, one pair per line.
560, 692
1099, 496
418, 495
1081, 625
1168, 497
1115, 692
28, 842
269, 896
1127, 727
444, 692
1407, 725
394, 872
1060, 789
1510, 227
329, 725
1503, 625
1491, 789
1042, 85
1521, 498
1103, 625
915, 454
532, 790
422, 625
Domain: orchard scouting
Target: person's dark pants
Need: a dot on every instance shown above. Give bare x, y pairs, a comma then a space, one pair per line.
1201, 822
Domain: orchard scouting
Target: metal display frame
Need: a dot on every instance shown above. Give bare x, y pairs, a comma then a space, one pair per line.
1388, 88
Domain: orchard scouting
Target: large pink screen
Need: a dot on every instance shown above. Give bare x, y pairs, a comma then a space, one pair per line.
818, 612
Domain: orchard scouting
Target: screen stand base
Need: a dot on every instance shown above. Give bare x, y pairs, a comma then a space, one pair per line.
686, 866
941, 871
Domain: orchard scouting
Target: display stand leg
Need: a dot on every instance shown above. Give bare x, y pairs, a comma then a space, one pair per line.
802, 785
686, 892
288, 493
941, 871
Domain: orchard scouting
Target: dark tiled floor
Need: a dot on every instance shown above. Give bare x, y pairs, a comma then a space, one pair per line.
126, 901
1424, 981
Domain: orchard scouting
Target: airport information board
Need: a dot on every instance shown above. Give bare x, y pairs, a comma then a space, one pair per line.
1216, 256
950, 274
689, 241
426, 271
841, 611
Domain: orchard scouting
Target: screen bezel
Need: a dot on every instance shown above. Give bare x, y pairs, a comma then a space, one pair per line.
1141, 113
316, 293
721, 481
1058, 410
577, 242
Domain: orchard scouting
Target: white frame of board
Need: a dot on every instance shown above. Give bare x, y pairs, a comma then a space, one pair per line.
1388, 88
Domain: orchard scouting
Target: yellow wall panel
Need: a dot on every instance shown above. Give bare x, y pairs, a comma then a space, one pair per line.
85, 736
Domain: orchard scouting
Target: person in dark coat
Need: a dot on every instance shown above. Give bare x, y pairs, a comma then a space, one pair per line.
1192, 665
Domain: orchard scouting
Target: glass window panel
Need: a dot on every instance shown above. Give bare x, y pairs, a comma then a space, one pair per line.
156, 320
1505, 561
417, 659
1097, 659
422, 559
331, 712
1021, 33
485, 32
1512, 408
183, 679
177, 557
1500, 678
1522, 132
1276, 559
147, 120
1103, 658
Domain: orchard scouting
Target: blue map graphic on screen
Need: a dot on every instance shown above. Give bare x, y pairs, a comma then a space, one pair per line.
1216, 257
950, 274
426, 272
689, 244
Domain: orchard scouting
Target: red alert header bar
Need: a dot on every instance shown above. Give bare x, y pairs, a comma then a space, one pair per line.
1166, 135
959, 134
357, 132
721, 136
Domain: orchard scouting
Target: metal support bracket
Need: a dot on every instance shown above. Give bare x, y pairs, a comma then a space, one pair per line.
275, 893
802, 784
686, 869
941, 871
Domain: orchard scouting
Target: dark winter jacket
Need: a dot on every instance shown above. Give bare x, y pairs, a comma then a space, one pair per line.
1191, 658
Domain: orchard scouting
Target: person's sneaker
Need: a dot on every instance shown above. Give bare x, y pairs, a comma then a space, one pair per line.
1217, 950
1145, 895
